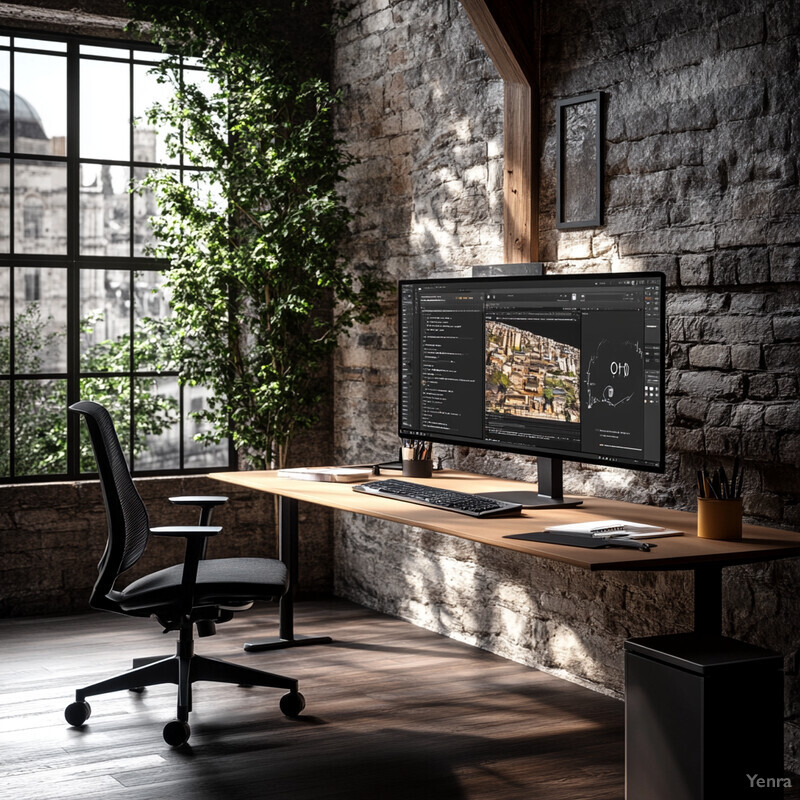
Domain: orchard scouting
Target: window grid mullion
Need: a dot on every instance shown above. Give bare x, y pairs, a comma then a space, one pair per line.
73, 253
12, 388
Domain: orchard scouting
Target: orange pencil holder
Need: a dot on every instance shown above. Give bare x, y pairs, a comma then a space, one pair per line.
719, 519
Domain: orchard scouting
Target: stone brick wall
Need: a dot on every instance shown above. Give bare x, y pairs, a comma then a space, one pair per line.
701, 183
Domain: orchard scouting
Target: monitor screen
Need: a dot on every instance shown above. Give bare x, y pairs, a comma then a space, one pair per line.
561, 366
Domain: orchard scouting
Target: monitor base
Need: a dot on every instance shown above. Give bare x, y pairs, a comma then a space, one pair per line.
531, 499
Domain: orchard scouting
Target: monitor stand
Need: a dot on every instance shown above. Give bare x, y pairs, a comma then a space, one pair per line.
551, 488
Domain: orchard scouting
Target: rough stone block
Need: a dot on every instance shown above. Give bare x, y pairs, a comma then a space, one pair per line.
789, 450
782, 356
678, 356
740, 102
762, 386
693, 409
710, 356
744, 302
672, 240
786, 329
693, 115
787, 386
712, 384
741, 31
686, 440
748, 416
760, 446
695, 270
783, 416
746, 356
737, 329
738, 233
785, 264
723, 441
761, 504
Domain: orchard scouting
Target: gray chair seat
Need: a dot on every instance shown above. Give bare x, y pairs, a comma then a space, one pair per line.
220, 581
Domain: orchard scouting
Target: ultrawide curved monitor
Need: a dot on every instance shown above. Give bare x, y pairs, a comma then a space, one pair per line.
556, 366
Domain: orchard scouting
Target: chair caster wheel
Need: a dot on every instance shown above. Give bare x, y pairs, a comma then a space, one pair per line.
292, 704
176, 733
77, 713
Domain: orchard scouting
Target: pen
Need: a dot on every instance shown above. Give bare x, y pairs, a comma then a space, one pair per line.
634, 543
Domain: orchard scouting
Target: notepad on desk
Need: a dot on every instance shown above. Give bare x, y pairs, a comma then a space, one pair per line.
602, 529
327, 474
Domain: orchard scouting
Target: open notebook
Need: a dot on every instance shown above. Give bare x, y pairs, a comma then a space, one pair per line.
616, 528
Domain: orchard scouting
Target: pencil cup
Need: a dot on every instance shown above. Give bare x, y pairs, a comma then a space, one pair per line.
719, 519
418, 468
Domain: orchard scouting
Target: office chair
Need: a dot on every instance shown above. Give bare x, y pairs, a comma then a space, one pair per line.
198, 592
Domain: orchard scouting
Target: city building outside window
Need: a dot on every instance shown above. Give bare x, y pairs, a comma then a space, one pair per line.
79, 298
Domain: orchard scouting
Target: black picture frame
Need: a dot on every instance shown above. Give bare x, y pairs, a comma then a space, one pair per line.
579, 162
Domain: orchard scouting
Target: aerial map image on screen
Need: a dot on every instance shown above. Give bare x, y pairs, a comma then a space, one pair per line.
531, 376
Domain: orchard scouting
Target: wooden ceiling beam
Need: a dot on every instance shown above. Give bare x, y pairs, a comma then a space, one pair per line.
509, 31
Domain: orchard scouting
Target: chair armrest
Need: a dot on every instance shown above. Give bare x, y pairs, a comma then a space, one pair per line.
196, 537
204, 501
189, 531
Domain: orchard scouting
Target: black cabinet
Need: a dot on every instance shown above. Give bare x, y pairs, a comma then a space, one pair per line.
703, 719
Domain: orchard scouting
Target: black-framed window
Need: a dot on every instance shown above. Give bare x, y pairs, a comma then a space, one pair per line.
80, 299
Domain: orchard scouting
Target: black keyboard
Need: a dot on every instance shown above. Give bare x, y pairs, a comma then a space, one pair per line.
474, 505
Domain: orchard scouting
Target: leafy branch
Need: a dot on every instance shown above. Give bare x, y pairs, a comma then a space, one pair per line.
260, 293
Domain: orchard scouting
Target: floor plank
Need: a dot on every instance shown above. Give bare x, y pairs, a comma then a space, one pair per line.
393, 712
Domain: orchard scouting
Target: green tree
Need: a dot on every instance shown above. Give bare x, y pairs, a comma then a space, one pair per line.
259, 291
40, 431
41, 419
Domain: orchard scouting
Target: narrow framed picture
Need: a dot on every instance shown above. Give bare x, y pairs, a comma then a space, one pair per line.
579, 161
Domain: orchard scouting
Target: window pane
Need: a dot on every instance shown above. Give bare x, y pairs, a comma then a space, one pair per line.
40, 432
40, 207
40, 44
5, 94
105, 110
105, 210
115, 395
208, 193
151, 308
105, 320
5, 215
109, 52
40, 324
200, 80
149, 141
144, 208
5, 324
147, 55
198, 454
40, 104
157, 427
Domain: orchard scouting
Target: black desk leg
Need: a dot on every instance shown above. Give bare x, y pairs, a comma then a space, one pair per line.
287, 523
708, 600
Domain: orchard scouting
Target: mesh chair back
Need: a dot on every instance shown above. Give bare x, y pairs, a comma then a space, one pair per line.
128, 525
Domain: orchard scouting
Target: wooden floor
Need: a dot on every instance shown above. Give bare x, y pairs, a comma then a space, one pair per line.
392, 712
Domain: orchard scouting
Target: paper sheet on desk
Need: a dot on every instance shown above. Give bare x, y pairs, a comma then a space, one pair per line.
601, 529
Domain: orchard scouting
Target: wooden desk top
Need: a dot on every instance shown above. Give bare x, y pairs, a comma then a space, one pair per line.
677, 552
